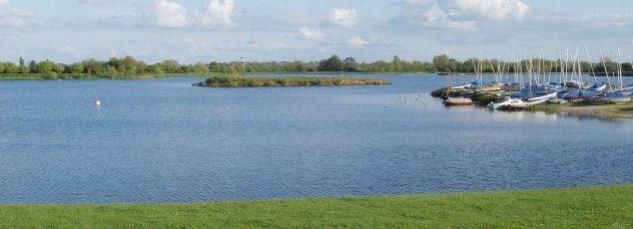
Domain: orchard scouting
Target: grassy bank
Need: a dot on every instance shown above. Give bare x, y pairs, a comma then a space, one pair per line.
228, 81
602, 111
593, 207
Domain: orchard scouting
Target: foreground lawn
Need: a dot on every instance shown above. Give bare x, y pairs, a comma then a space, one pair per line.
594, 207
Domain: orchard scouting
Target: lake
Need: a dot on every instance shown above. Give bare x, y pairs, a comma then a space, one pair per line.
165, 141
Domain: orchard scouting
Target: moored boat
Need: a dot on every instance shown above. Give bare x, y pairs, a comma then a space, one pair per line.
509, 103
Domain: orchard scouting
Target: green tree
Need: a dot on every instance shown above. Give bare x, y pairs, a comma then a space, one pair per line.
156, 69
171, 66
333, 64
45, 67
350, 65
443, 63
76, 68
130, 65
33, 66
11, 68
201, 68
396, 64
92, 67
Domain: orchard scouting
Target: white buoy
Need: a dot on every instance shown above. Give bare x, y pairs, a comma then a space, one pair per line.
98, 103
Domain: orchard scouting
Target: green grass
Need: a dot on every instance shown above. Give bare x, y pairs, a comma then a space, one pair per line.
592, 207
237, 81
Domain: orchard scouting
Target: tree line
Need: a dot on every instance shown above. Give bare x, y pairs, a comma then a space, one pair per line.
129, 66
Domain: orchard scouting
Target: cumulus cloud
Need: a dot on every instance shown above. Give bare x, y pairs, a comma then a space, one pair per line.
357, 42
165, 13
217, 12
343, 17
460, 14
493, 9
430, 14
14, 17
270, 46
309, 33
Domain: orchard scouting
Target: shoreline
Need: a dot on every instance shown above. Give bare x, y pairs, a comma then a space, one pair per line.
594, 206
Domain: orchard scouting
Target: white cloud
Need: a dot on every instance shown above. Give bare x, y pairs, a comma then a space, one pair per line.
14, 17
165, 13
93, 2
460, 14
217, 12
310, 33
269, 46
494, 9
357, 42
343, 17
4, 4
432, 15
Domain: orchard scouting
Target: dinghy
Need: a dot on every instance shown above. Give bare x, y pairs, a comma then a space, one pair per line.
510, 102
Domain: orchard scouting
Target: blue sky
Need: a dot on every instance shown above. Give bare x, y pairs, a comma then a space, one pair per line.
225, 30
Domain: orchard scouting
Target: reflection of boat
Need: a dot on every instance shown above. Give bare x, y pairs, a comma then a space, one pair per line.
458, 101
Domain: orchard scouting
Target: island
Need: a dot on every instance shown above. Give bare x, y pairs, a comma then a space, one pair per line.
239, 81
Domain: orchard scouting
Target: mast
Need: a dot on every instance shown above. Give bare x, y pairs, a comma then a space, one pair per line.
481, 66
604, 64
593, 71
621, 79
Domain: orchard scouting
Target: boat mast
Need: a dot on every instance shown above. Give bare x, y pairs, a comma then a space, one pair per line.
593, 71
606, 72
621, 79
579, 69
481, 66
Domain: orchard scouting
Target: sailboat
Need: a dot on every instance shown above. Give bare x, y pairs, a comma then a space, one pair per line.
450, 101
510, 102
618, 96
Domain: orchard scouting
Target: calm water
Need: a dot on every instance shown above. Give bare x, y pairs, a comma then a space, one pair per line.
165, 141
